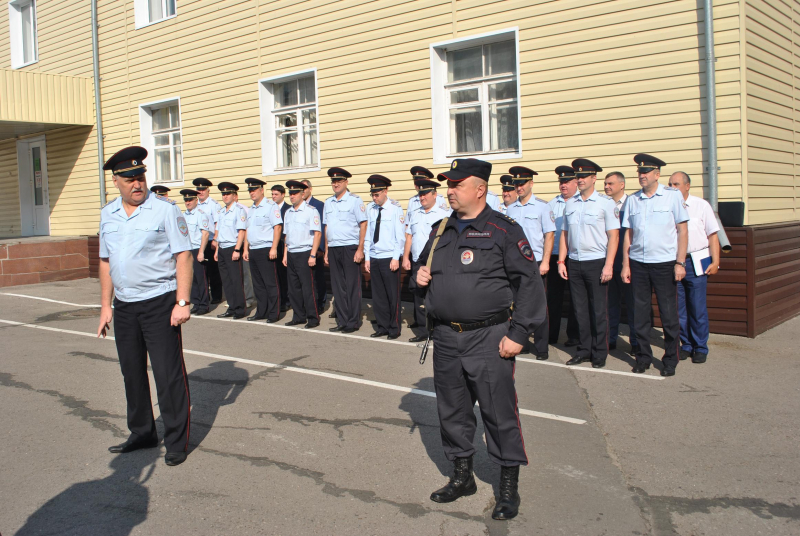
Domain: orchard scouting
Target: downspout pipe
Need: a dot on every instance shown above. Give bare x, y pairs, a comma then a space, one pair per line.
97, 109
711, 121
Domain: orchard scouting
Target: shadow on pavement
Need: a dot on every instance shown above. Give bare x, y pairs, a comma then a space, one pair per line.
219, 384
112, 506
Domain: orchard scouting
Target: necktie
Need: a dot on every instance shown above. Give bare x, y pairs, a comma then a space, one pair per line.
377, 234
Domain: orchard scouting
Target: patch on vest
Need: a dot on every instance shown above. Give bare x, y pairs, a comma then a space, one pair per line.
478, 234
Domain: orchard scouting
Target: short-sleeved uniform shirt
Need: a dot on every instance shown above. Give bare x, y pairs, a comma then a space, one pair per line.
198, 221
536, 220
557, 206
230, 221
140, 247
261, 222
586, 222
414, 204
211, 207
652, 222
702, 223
342, 219
299, 226
493, 200
392, 236
418, 225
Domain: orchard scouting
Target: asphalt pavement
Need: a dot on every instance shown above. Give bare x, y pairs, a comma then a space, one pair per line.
299, 431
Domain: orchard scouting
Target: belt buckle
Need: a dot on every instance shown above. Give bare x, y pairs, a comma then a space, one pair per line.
456, 327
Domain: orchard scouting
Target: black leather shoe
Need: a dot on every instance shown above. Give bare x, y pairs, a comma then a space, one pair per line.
578, 360
639, 369
349, 330
378, 334
634, 350
393, 337
193, 310
666, 372
294, 323
461, 485
599, 364
507, 505
612, 346
174, 458
414, 325
254, 318
237, 317
130, 446
684, 355
542, 357
335, 329
226, 314
201, 312
271, 321
572, 342
699, 358
418, 338
310, 325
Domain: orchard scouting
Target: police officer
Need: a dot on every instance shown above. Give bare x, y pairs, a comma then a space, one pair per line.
538, 222
590, 235
703, 243
383, 250
654, 258
509, 192
264, 228
160, 190
481, 265
146, 262
418, 228
345, 233
614, 188
230, 237
419, 174
302, 229
200, 228
278, 193
568, 186
211, 207
320, 284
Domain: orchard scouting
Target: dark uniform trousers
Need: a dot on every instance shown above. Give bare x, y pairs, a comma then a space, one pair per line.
320, 285
301, 287
141, 328
541, 339
467, 367
645, 278
212, 271
590, 301
283, 277
555, 303
419, 311
265, 283
385, 295
199, 297
617, 292
693, 310
232, 279
346, 283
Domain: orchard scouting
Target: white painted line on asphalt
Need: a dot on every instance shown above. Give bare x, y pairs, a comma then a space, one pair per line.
310, 372
362, 338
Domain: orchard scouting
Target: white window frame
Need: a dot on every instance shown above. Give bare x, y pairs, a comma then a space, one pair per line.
141, 13
15, 32
440, 104
146, 137
269, 157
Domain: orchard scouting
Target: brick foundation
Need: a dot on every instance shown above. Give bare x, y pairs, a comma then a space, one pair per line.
26, 263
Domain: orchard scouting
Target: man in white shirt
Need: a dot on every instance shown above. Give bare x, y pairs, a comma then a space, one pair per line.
703, 242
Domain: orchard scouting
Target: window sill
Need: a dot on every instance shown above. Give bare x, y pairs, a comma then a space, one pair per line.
291, 171
155, 22
482, 156
20, 66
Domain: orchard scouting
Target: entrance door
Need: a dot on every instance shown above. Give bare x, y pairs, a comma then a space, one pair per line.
33, 187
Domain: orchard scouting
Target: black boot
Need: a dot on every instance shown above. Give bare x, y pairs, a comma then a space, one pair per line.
507, 505
461, 485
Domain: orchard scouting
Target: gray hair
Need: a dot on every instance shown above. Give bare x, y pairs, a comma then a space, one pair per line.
306, 182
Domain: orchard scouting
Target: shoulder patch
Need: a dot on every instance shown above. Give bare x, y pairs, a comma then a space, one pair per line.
182, 227
526, 250
165, 199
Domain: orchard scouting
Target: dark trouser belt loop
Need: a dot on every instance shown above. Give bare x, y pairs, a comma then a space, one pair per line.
460, 327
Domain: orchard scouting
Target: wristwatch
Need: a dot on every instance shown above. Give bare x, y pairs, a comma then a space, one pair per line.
680, 264
182, 303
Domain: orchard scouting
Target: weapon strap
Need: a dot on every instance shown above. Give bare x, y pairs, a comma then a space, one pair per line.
439, 232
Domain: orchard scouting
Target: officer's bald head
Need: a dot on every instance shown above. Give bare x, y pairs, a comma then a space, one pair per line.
468, 196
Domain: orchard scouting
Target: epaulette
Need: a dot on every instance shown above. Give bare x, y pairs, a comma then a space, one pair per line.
504, 217
241, 205
396, 203
165, 199
670, 188
434, 226
353, 195
104, 206
604, 196
539, 199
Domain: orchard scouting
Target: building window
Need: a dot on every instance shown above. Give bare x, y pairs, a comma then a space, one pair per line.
289, 123
148, 12
475, 97
160, 131
22, 26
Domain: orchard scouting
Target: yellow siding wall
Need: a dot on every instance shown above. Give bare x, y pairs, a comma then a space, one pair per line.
9, 183
773, 68
602, 80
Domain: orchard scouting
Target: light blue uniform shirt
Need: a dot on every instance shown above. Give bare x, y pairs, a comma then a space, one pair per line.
652, 222
261, 222
342, 219
493, 201
198, 221
557, 206
299, 227
230, 221
419, 224
140, 247
211, 208
413, 203
586, 223
536, 220
392, 238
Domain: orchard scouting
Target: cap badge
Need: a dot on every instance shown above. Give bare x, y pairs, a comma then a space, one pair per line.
455, 164
467, 257
134, 162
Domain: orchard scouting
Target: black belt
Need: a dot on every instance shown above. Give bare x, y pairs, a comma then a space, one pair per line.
460, 327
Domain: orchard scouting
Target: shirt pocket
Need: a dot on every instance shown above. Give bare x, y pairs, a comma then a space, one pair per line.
260, 221
475, 255
440, 257
662, 215
147, 234
110, 235
592, 216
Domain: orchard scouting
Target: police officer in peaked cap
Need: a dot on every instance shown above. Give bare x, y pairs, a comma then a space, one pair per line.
302, 228
201, 226
478, 264
231, 225
146, 267
509, 192
421, 175
160, 190
211, 207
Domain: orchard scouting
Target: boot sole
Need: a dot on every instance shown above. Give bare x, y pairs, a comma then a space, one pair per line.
467, 493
